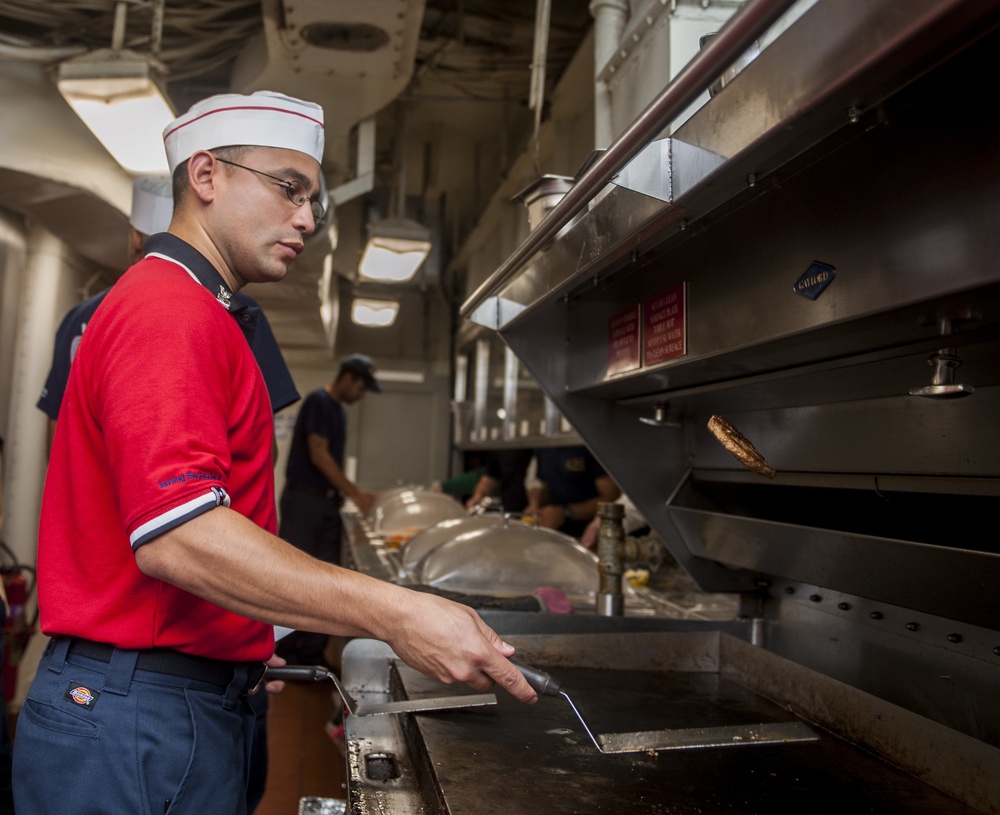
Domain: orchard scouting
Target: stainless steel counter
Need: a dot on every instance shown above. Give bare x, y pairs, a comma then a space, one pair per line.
520, 759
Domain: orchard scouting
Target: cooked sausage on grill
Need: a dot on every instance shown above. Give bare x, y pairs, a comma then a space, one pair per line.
737, 444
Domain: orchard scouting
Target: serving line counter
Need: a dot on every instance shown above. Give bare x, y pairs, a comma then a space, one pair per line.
496, 562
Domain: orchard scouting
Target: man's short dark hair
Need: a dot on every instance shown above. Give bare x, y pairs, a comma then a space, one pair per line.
179, 181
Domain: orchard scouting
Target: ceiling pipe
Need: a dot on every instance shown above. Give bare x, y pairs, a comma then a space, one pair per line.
364, 165
610, 20
536, 96
120, 21
397, 203
30, 53
743, 28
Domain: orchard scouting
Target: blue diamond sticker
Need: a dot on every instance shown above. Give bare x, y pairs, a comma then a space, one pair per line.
814, 280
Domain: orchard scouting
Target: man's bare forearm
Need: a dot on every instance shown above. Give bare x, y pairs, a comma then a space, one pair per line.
226, 559
484, 486
230, 561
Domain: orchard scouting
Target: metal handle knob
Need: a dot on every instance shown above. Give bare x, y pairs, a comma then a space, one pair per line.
943, 385
659, 417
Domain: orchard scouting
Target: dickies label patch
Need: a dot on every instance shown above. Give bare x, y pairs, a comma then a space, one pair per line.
81, 695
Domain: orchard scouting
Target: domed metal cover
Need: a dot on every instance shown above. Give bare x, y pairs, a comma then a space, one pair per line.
424, 542
386, 497
511, 560
407, 512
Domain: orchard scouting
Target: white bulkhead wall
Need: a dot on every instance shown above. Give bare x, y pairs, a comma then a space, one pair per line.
49, 165
47, 269
56, 172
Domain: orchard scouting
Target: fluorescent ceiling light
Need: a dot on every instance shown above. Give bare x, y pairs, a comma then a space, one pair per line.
116, 95
410, 377
374, 313
396, 247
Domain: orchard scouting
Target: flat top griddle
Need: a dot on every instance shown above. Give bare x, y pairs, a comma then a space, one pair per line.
519, 759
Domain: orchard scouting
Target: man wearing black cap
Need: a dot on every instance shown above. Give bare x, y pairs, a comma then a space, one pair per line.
315, 484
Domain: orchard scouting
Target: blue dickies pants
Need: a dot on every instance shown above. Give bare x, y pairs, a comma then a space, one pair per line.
109, 738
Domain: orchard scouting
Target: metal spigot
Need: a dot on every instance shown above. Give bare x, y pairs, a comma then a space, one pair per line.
659, 417
610, 548
943, 385
944, 362
645, 549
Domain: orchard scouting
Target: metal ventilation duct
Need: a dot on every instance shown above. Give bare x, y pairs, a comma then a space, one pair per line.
354, 58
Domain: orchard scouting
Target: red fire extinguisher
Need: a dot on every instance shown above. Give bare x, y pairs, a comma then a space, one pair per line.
17, 631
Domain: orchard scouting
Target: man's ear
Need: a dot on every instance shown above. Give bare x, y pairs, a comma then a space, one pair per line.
202, 169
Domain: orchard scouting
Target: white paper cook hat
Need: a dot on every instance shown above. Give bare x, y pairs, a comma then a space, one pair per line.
152, 204
261, 119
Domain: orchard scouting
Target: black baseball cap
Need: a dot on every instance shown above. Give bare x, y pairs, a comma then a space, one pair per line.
364, 367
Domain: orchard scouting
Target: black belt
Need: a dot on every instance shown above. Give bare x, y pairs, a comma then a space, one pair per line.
174, 663
322, 492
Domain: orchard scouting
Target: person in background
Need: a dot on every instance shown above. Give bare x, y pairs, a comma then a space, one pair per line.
161, 473
506, 471
461, 486
315, 484
152, 208
571, 484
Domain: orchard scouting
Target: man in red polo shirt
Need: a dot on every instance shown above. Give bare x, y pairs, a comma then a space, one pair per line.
159, 571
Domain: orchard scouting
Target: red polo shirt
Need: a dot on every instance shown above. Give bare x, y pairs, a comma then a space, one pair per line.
166, 416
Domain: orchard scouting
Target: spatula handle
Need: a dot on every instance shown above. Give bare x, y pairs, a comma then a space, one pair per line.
297, 673
543, 684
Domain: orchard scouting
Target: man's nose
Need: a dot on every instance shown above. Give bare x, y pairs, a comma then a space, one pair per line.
303, 219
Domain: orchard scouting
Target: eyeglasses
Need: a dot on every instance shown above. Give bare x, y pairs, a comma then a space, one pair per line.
294, 190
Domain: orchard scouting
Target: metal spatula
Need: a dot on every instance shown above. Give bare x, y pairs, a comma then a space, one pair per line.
317, 673
680, 739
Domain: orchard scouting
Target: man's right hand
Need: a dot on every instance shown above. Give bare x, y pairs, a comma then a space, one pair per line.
450, 642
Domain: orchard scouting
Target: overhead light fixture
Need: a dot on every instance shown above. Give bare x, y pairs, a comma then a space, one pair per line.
395, 250
374, 313
117, 95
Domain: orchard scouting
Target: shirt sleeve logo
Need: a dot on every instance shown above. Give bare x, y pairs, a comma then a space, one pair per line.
183, 478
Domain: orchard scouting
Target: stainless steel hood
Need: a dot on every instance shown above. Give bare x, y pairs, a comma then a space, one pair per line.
860, 141
821, 240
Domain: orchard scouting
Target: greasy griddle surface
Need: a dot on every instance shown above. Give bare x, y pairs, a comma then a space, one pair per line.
514, 759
